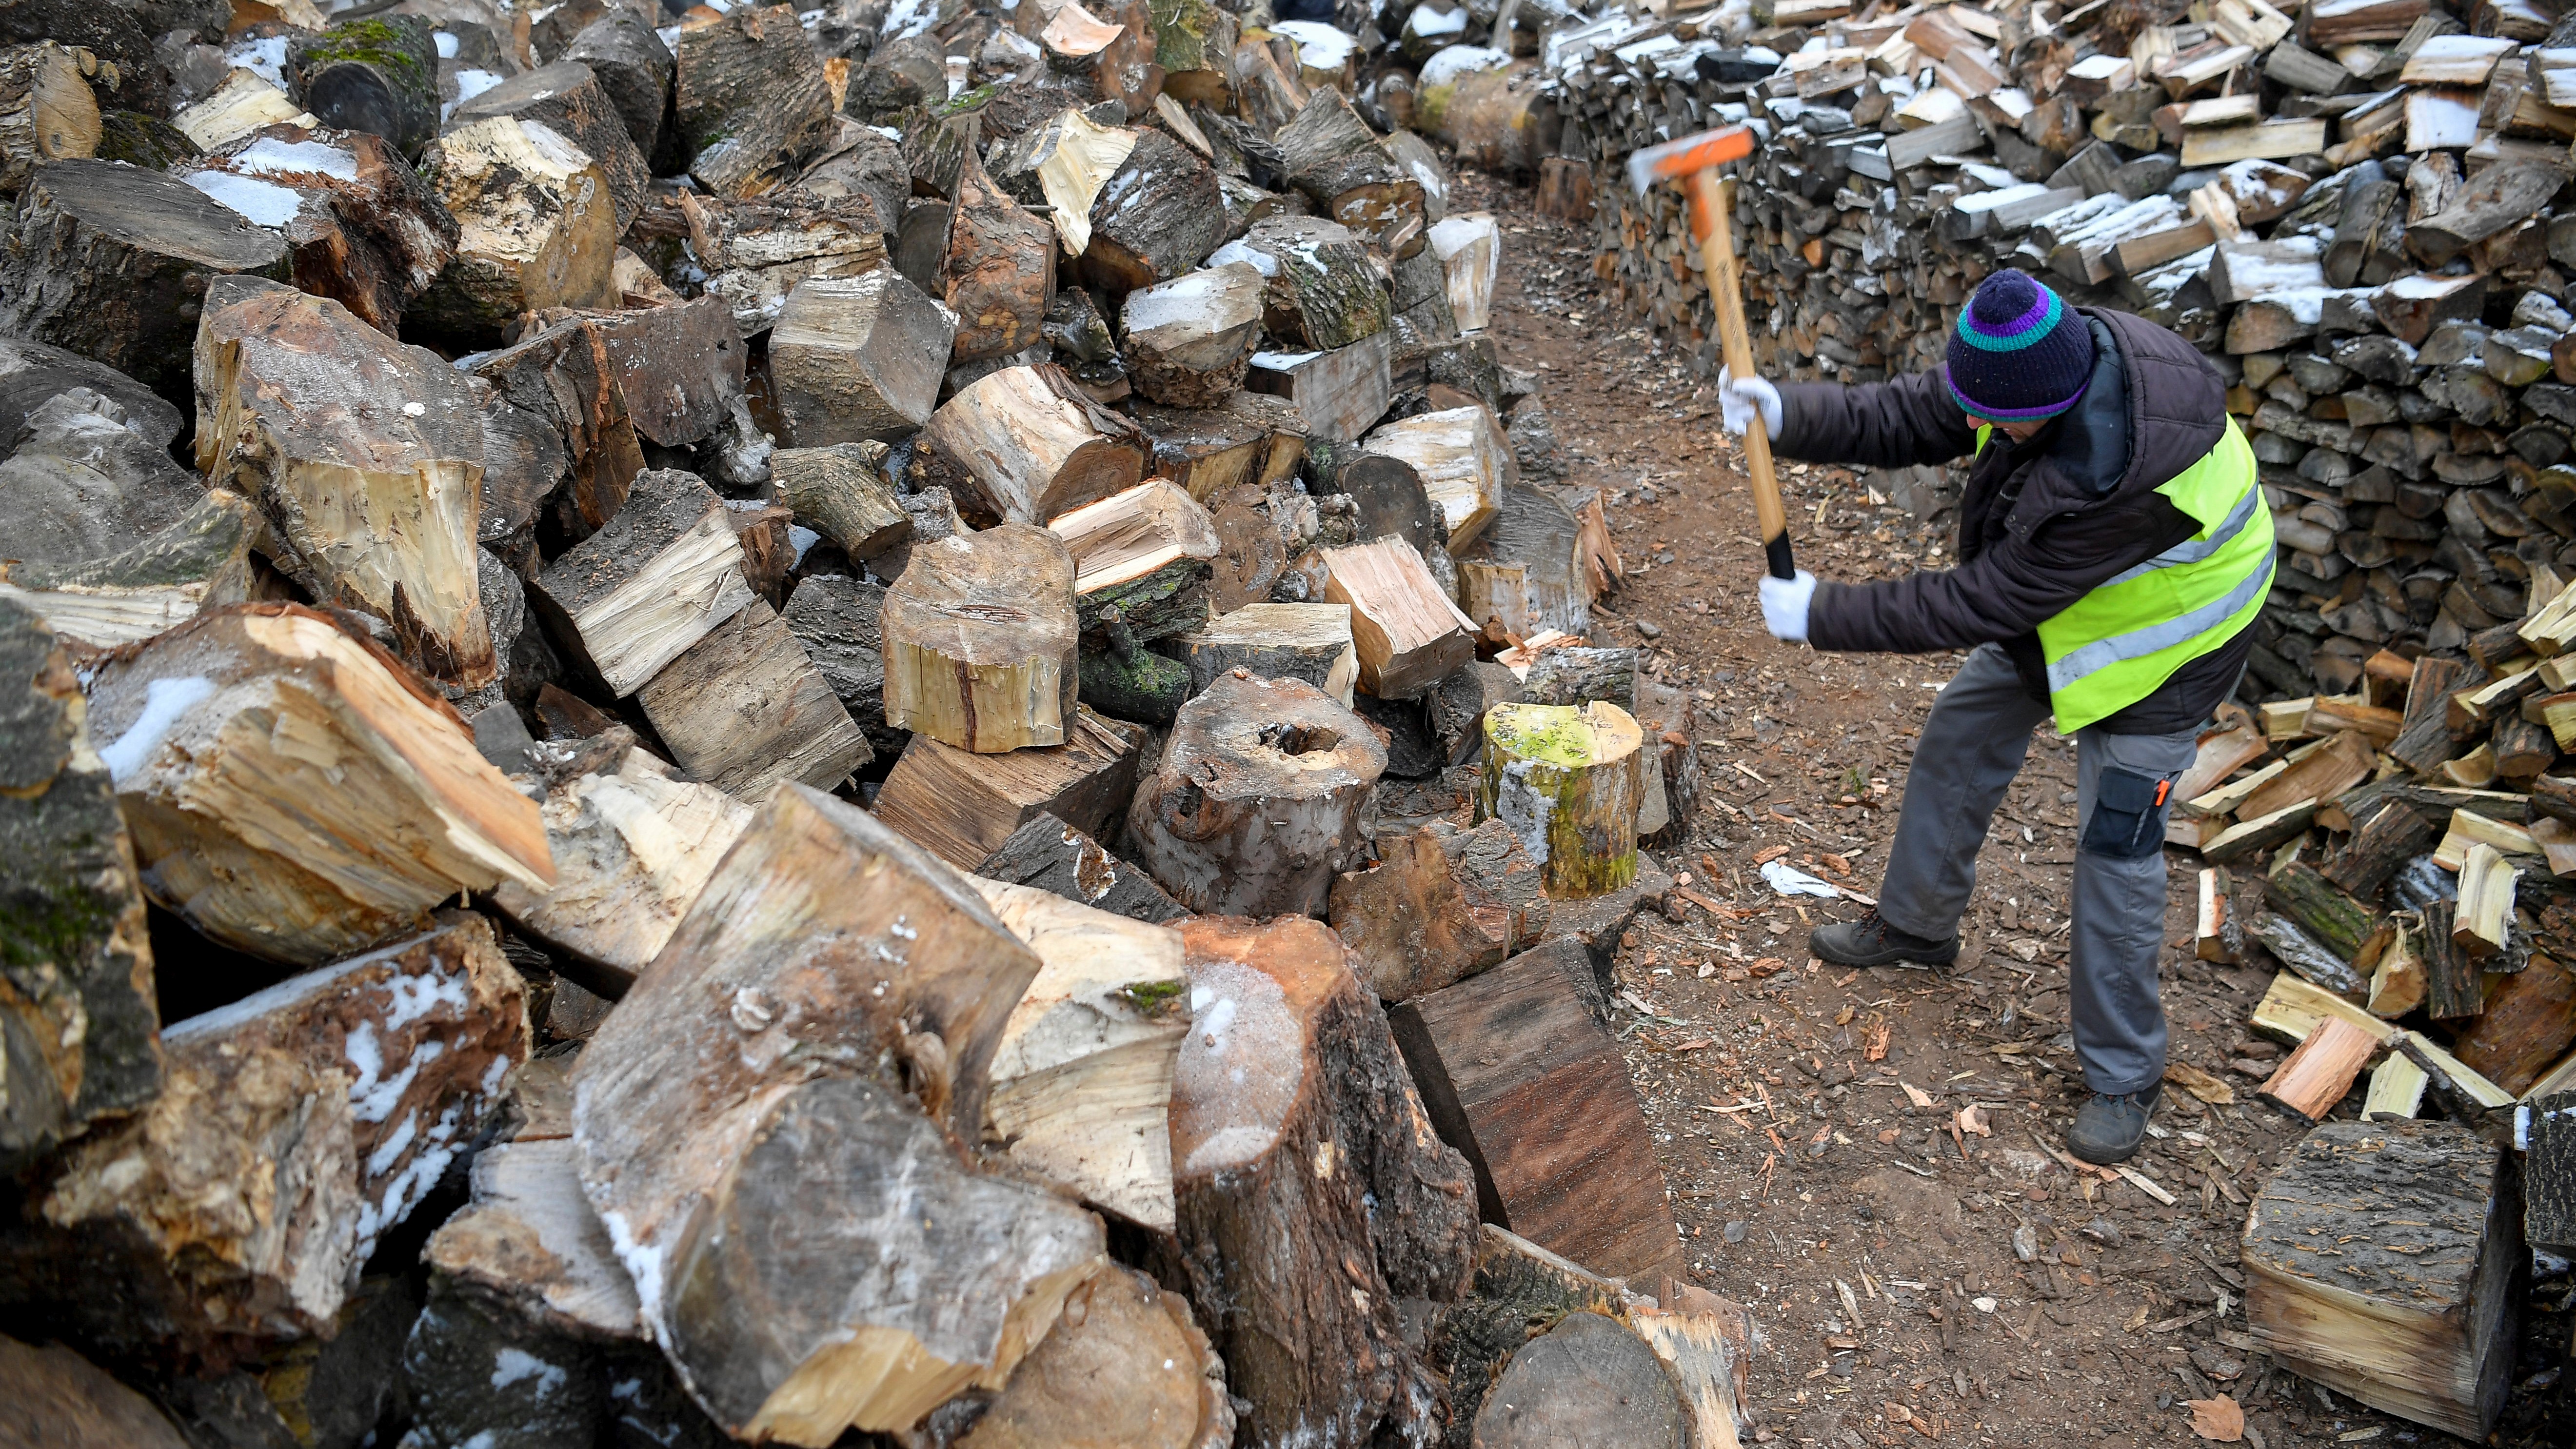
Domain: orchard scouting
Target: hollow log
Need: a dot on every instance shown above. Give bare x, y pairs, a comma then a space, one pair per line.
653, 581
535, 228
1566, 780
980, 640
1189, 340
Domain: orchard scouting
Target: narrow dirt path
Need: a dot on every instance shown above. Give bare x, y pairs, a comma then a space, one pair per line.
1867, 1157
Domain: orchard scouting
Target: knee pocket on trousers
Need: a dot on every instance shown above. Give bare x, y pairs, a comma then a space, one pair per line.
2128, 815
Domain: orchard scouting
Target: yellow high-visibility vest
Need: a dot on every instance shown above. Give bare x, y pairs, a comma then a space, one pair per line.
2121, 641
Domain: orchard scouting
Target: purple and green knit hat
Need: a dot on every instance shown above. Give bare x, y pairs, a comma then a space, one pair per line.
2020, 353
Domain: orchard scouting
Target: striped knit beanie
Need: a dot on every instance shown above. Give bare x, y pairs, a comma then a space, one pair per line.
2020, 353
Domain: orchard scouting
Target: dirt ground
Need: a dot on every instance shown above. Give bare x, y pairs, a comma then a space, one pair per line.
1915, 1282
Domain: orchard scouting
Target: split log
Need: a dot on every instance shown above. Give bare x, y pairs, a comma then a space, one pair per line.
33, 374
964, 807
998, 272
2311, 1080
1408, 635
2485, 909
113, 262
1322, 293
1463, 459
59, 1398
1459, 705
2397, 979
634, 595
294, 1130
756, 252
1061, 163
273, 842
2338, 922
242, 104
2344, 762
535, 228
1496, 120
565, 375
812, 1251
1439, 906
842, 493
2451, 985
632, 845
1140, 561
836, 618
528, 1243
1026, 444
78, 1030
634, 67
47, 112
1312, 1191
1157, 217
1262, 795
744, 709
1566, 780
1052, 856
1518, 1287
750, 105
2380, 844
857, 359
980, 640
1470, 249
2428, 1231
1213, 452
681, 366
1082, 1080
2528, 1024
1526, 574
1311, 642
1189, 340
1127, 1365
570, 101
378, 74
1338, 394
1588, 1378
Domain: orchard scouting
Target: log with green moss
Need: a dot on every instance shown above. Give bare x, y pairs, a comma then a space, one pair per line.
2343, 925
1567, 781
378, 75
1138, 685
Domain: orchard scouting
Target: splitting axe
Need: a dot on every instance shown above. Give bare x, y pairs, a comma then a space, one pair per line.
1694, 160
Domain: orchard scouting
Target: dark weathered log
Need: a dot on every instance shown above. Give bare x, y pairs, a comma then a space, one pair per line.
365, 229
2452, 988
810, 1248
2342, 924
1156, 217
856, 359
1027, 444
1322, 293
980, 638
1312, 1191
758, 251
2382, 841
1387, 496
1051, 855
535, 227
634, 67
1261, 796
999, 270
648, 584
963, 807
564, 375
2426, 738
744, 709
569, 98
1440, 905
378, 74
835, 617
1210, 452
1589, 1377
681, 366
750, 102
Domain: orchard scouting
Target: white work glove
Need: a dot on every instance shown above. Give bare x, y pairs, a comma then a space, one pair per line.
1784, 605
1738, 401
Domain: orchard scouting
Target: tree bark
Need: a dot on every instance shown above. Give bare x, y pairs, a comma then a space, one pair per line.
565, 376
841, 492
634, 67
1339, 394
2337, 921
1140, 563
836, 618
980, 639
2526, 1029
378, 75
1566, 781
535, 228
999, 271
1157, 217
2381, 842
963, 807
744, 709
1439, 906
568, 97
655, 580
750, 103
681, 366
1050, 855
1322, 292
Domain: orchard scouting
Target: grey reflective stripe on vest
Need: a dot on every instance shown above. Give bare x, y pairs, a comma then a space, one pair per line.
2138, 643
2193, 550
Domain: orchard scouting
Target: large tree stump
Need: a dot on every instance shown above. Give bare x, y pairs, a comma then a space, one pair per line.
1526, 573
1311, 642
79, 1023
634, 67
653, 581
378, 75
364, 228
757, 252
294, 1129
47, 113
980, 640
750, 101
565, 375
1265, 790
1157, 217
1409, 636
1053, 856
1567, 781
113, 262
744, 709
811, 1249
570, 100
1125, 1368
1312, 1191
292, 793
962, 807
1026, 444
1464, 461
1440, 905
857, 359
1339, 394
1082, 1081
1323, 293
1189, 340
998, 273
535, 227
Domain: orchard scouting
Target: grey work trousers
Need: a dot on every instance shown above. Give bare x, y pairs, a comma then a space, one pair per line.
1972, 746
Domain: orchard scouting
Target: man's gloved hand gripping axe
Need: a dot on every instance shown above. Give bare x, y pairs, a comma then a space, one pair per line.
1694, 161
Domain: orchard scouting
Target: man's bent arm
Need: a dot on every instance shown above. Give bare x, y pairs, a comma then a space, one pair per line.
1877, 425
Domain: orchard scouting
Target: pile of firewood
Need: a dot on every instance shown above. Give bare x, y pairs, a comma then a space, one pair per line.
685, 697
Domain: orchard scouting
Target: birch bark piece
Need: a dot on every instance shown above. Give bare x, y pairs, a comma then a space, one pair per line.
1566, 780
1189, 340
535, 227
744, 709
301, 844
812, 1250
1265, 790
1082, 1080
962, 807
1408, 635
1026, 444
980, 640
857, 359
653, 581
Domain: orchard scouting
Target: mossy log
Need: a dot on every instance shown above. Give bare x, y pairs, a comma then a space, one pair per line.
378, 74
1567, 780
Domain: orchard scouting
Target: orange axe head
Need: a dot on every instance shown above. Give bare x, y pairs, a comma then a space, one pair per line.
1676, 160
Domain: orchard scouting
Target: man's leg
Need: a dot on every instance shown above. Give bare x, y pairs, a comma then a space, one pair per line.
2122, 788
1972, 746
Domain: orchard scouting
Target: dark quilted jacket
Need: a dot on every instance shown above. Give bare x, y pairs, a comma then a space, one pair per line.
2042, 522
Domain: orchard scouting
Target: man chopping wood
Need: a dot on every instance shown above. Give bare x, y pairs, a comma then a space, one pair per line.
2113, 551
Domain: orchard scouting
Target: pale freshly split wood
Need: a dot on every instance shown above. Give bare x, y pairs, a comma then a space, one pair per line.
962, 807
1470, 249
842, 493
980, 640
1262, 795
294, 1129
1567, 781
47, 113
636, 594
1464, 461
2216, 933
807, 1244
530, 1242
293, 793
79, 1013
1338, 394
1063, 162
1438, 906
1189, 340
2311, 1080
2343, 763
1526, 573
1026, 444
744, 709
2397, 978
242, 104
1311, 642
1125, 1365
1408, 635
632, 846
1082, 1080
535, 227
1140, 561
2396, 1088
2485, 910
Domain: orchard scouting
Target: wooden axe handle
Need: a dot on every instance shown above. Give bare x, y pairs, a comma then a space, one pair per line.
1717, 263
